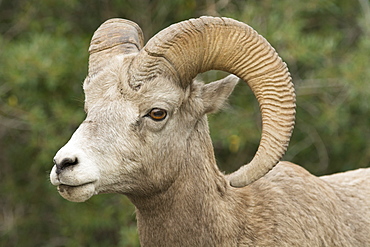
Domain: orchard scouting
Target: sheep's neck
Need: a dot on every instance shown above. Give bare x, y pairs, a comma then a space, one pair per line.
194, 211
186, 215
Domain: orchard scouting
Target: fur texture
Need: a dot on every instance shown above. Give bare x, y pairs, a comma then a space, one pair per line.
166, 165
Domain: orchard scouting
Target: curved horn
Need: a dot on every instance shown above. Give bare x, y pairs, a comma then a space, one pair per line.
198, 45
113, 37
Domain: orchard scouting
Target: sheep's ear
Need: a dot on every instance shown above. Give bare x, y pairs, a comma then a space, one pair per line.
215, 94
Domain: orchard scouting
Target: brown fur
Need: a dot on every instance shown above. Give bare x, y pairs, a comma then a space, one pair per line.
287, 207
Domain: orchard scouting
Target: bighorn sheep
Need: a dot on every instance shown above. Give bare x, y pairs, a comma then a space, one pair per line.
146, 136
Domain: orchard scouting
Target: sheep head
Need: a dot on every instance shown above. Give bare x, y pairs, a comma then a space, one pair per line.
143, 106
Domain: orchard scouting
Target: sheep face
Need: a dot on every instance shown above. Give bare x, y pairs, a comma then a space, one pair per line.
131, 140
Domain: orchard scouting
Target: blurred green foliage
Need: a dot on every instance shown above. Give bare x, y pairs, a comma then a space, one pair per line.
43, 61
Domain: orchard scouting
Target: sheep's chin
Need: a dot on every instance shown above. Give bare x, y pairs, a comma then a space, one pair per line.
77, 193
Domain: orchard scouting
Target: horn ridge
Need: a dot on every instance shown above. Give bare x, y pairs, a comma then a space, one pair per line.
113, 37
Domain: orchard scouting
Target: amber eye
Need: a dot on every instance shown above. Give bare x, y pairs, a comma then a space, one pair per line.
157, 114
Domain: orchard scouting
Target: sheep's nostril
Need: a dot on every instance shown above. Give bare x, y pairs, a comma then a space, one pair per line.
65, 163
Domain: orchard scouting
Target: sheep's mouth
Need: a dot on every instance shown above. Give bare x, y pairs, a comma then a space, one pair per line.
62, 187
77, 193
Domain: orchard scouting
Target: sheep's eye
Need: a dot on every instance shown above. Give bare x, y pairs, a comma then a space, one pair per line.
157, 114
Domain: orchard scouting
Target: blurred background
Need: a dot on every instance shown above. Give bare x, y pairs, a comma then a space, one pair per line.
43, 61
